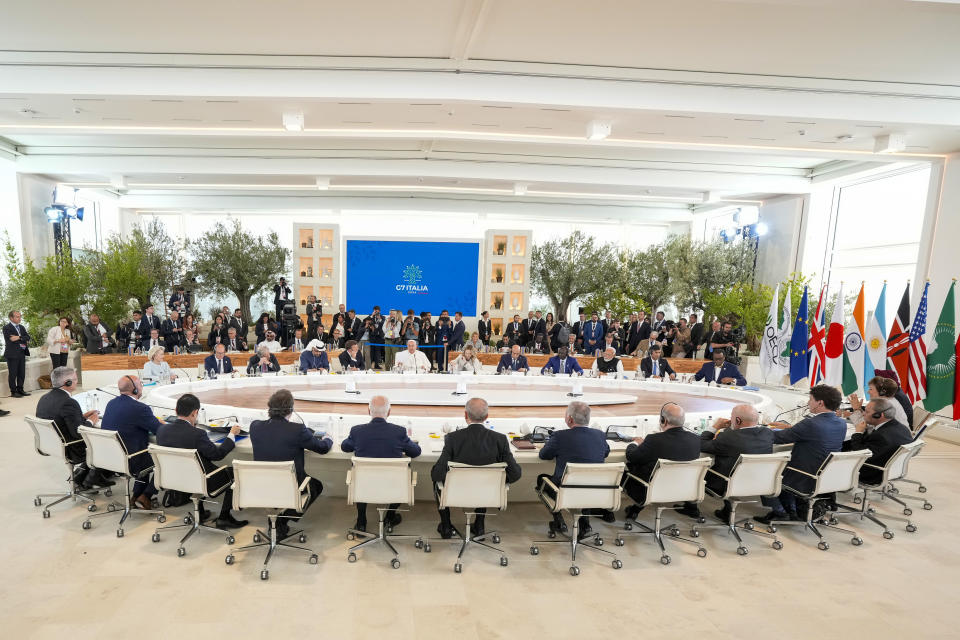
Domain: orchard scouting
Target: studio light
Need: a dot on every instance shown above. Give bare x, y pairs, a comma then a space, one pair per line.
67, 196
53, 213
762, 228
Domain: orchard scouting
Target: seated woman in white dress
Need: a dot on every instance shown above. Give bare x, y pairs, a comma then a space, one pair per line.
155, 368
467, 361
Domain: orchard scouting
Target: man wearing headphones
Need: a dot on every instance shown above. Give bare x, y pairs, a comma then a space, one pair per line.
279, 440
134, 421
58, 405
880, 433
673, 442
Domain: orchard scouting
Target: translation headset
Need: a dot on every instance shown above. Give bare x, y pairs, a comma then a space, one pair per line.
136, 390
663, 419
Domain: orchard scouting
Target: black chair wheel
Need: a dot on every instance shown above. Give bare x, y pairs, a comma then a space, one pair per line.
264, 575
675, 533
823, 546
46, 513
771, 529
627, 526
350, 536
503, 561
911, 528
922, 489
574, 570
598, 541
231, 539
617, 564
111, 508
351, 557
664, 559
742, 551
702, 552
37, 502
496, 539
701, 520
314, 559
119, 533
302, 538
181, 552
187, 520
534, 550
856, 541
91, 508
426, 547
161, 518
908, 511
888, 535
86, 524
777, 545
618, 542
388, 528
748, 526
395, 563
927, 506
108, 492
418, 544
694, 533
155, 537
229, 559
551, 534
458, 568
257, 537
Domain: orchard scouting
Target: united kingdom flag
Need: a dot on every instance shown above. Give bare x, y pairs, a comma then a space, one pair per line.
917, 382
816, 346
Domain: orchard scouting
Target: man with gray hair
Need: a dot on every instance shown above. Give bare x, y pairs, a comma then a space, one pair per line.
475, 445
263, 361
879, 432
579, 444
379, 439
672, 442
725, 440
412, 359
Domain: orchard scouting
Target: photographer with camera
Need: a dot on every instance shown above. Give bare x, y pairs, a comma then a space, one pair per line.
726, 340
281, 295
314, 312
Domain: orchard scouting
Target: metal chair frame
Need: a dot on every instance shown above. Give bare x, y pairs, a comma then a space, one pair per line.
75, 492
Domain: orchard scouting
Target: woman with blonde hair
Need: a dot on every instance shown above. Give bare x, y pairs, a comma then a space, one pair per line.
155, 368
467, 361
59, 340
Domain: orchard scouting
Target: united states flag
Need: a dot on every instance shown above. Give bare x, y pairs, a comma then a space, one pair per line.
917, 384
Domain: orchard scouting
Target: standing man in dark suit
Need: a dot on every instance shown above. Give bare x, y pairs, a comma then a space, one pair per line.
514, 331
654, 366
172, 330
528, 330
513, 361
456, 337
184, 434
379, 439
475, 445
720, 371
813, 438
673, 442
218, 362
238, 323
578, 444
725, 441
178, 301
153, 322
137, 329
279, 440
135, 422
880, 433
593, 335
485, 328
59, 406
16, 348
696, 335
281, 296
577, 329
96, 336
352, 326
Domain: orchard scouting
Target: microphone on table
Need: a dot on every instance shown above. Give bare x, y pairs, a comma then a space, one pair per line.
777, 417
106, 391
184, 373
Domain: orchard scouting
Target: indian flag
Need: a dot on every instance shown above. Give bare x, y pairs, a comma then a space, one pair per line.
854, 349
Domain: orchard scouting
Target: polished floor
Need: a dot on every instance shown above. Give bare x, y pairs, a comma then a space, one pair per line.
62, 582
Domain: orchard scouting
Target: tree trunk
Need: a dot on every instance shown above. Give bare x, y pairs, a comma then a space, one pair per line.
244, 299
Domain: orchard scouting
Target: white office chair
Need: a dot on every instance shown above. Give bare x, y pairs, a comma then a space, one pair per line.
895, 468
181, 470
583, 486
105, 450
471, 487
380, 481
671, 482
269, 485
753, 476
838, 473
894, 489
48, 442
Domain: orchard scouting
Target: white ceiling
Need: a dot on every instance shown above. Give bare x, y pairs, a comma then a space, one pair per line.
708, 100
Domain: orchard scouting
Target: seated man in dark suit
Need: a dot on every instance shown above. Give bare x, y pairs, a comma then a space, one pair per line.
813, 438
315, 358
726, 440
263, 361
350, 358
654, 366
135, 422
379, 439
184, 434
219, 362
152, 339
234, 342
720, 371
513, 361
578, 444
279, 440
59, 406
476, 445
880, 433
673, 442
562, 364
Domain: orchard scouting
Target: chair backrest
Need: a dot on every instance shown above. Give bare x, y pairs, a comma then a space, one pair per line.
675, 481
896, 466
920, 417
757, 475
913, 453
46, 437
267, 485
923, 427
105, 450
470, 486
178, 469
840, 471
578, 478
380, 481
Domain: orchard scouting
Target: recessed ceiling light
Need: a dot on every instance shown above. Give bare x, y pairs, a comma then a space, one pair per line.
293, 120
598, 129
520, 188
890, 143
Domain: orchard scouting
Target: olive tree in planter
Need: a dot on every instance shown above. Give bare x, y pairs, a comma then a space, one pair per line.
571, 268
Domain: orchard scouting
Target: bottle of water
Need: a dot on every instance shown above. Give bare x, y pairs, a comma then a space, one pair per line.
703, 425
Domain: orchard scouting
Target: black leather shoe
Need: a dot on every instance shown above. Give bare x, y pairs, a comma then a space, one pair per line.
204, 514
445, 531
607, 516
4, 412
557, 525
393, 519
360, 525
689, 511
16, 394
23, 393
283, 529
722, 514
632, 512
476, 527
586, 531
229, 522
770, 517
96, 480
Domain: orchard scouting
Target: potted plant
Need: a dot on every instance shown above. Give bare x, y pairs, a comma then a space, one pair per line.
498, 274
501, 247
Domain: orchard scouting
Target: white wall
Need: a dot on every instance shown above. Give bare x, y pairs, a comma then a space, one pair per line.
10, 203
779, 249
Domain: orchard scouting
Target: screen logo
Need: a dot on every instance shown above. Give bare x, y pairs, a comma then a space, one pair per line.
411, 280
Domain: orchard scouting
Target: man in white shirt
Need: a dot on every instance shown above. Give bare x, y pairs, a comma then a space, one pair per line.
610, 363
413, 359
271, 343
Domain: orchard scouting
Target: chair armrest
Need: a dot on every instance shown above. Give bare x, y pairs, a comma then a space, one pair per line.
349, 476
809, 475
137, 453
549, 481
304, 484
636, 479
717, 473
872, 466
67, 444
413, 479
217, 470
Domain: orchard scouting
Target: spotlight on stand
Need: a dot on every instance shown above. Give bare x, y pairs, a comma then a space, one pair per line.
53, 213
762, 229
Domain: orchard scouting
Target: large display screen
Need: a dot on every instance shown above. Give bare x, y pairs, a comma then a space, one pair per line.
423, 276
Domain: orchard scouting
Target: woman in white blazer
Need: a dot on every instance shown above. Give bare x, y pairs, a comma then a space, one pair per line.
467, 361
59, 340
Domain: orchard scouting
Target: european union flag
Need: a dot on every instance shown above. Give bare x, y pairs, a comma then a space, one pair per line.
798, 342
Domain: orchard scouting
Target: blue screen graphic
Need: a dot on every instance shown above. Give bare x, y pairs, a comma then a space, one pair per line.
424, 276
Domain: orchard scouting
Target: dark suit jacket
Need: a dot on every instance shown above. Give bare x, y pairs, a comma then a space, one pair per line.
577, 445
904, 401
456, 338
475, 445
134, 421
215, 333
813, 439
727, 446
145, 343
279, 440
675, 443
345, 361
484, 330
883, 442
380, 439
254, 363
239, 325
577, 328
261, 332
696, 334
506, 362
153, 322
59, 406
276, 293
708, 372
354, 328
169, 335
141, 330
91, 337
646, 367
512, 332
239, 345
210, 364
183, 435
14, 349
